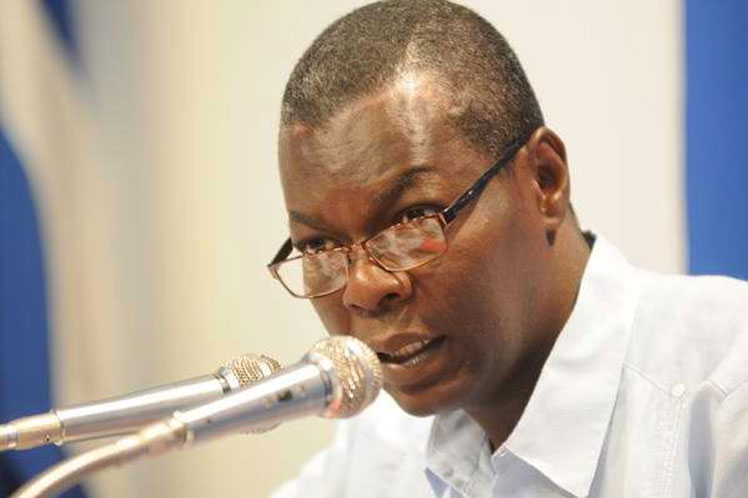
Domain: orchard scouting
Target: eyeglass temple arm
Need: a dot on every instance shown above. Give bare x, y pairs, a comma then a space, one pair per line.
474, 191
283, 253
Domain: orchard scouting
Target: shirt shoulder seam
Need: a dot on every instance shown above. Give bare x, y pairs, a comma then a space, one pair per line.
732, 391
724, 392
644, 376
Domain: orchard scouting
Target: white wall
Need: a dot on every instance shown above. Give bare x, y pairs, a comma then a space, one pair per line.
185, 97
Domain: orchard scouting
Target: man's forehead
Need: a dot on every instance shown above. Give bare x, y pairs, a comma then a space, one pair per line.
404, 124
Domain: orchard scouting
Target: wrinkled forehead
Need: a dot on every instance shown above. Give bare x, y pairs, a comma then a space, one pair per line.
405, 125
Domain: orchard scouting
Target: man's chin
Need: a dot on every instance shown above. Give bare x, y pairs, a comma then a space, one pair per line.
424, 403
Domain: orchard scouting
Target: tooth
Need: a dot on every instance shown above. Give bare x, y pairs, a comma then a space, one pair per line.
409, 349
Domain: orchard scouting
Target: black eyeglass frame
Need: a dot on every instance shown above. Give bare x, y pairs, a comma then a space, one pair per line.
445, 217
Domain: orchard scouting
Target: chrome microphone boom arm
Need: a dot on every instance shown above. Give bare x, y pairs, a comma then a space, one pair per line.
125, 414
338, 378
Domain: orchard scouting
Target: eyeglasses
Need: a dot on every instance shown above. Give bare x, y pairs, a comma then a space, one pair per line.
401, 247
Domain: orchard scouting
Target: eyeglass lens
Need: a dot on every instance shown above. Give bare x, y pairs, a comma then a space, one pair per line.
401, 247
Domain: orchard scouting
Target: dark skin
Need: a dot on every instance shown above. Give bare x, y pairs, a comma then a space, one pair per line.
497, 298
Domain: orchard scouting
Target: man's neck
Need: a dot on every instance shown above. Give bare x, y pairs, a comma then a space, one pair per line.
499, 418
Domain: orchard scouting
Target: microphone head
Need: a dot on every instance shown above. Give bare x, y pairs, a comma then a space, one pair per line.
355, 374
250, 368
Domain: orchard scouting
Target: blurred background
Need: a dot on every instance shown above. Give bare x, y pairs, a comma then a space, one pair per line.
140, 202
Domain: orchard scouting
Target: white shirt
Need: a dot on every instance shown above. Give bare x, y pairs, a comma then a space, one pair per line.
645, 394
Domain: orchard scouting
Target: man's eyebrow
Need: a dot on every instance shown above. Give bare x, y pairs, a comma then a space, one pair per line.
402, 183
304, 219
406, 180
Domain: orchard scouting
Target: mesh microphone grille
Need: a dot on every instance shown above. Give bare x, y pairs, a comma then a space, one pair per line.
249, 368
357, 370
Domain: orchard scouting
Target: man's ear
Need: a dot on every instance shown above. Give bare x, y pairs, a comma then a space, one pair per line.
547, 160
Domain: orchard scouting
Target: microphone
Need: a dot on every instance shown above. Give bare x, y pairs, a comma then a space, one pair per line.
125, 414
338, 378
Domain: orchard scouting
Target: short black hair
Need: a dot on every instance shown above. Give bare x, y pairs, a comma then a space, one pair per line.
370, 47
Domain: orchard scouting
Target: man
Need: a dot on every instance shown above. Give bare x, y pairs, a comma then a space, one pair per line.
429, 206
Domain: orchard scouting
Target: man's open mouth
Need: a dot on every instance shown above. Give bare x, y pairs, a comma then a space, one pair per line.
412, 354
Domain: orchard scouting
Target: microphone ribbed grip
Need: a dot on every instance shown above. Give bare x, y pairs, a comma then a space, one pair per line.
249, 368
357, 370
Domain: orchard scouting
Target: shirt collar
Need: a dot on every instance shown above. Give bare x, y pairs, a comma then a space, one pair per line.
458, 453
562, 430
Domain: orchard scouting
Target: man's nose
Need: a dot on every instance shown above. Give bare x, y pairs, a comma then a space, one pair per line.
370, 287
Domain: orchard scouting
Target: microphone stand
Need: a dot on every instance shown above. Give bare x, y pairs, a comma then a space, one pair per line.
302, 389
154, 440
338, 378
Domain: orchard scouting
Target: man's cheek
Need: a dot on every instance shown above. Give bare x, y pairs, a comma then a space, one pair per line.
333, 314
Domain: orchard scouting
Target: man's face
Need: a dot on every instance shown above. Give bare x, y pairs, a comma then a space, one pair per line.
459, 331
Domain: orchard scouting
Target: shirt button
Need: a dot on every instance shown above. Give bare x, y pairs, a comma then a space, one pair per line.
678, 390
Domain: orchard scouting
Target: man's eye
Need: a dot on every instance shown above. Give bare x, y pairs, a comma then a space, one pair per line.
314, 246
416, 212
